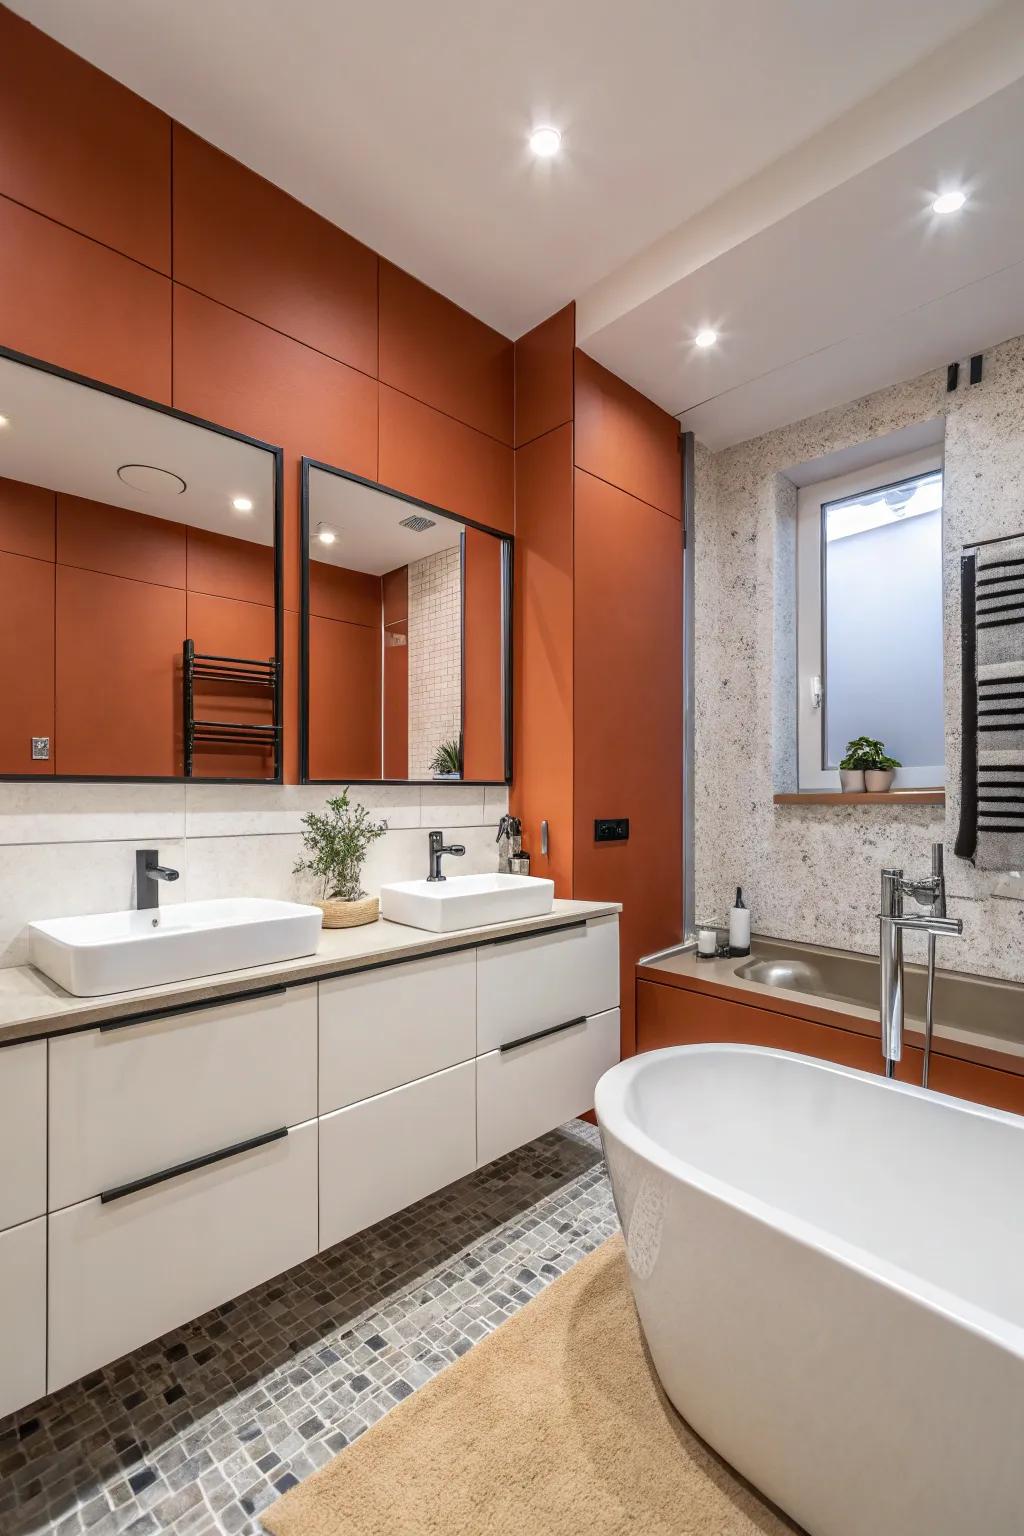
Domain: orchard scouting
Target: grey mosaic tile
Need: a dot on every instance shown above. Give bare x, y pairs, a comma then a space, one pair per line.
198, 1432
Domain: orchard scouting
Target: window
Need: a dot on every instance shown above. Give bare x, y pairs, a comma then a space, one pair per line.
869, 620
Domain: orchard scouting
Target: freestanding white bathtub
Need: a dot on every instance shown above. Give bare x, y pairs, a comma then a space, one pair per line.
829, 1271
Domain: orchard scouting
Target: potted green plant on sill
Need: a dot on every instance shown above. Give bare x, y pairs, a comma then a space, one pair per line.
866, 766
337, 842
446, 762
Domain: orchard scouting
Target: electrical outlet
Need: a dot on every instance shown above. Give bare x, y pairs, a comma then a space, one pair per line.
611, 829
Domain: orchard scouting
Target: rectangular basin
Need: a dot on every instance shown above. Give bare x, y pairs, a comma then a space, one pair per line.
465, 901
120, 951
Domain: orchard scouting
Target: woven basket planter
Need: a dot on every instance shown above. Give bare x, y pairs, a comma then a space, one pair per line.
349, 914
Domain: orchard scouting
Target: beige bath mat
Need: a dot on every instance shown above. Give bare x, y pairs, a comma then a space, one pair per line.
551, 1426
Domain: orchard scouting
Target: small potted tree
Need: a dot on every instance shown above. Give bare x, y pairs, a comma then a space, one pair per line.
865, 766
336, 842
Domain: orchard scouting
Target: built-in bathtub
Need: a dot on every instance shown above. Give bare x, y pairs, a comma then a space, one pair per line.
829, 1271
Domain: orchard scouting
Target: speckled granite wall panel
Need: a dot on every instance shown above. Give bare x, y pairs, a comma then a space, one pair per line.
812, 872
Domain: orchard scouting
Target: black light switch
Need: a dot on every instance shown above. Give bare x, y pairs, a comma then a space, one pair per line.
611, 829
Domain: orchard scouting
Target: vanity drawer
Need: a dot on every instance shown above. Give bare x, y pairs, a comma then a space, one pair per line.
126, 1102
531, 983
22, 1315
526, 1090
22, 1132
126, 1270
382, 1155
385, 1027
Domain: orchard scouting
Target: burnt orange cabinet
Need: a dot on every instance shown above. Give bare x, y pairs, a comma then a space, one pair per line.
669, 1015
674, 1016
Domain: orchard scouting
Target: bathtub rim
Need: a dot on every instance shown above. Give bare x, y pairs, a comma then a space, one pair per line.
613, 1118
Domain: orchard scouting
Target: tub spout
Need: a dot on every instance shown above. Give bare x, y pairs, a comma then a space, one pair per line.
893, 922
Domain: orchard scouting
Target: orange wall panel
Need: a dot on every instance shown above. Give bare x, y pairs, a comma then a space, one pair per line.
626, 439
27, 520
72, 302
542, 670
26, 662
396, 700
241, 240
544, 375
228, 567
442, 461
438, 353
344, 700
353, 597
81, 148
118, 671
483, 738
628, 717
241, 374
224, 626
395, 594
97, 537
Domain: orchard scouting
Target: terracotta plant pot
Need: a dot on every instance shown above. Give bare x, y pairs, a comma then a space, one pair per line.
852, 781
878, 780
349, 914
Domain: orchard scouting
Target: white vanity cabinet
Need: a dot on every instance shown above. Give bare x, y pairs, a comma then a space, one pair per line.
183, 1168
22, 1224
158, 1165
22, 1132
131, 1100
22, 1314
523, 1090
532, 983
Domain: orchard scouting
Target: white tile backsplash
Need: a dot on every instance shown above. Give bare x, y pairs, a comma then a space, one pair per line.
70, 848
40, 880
90, 813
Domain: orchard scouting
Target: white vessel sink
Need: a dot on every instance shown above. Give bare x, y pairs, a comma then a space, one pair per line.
119, 951
465, 901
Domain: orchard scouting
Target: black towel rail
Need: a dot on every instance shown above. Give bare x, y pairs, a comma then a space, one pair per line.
245, 671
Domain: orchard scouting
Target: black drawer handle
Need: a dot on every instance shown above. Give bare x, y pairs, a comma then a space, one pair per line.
207, 1002
542, 1034
120, 1190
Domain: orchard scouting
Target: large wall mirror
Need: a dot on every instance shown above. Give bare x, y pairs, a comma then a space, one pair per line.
140, 577
406, 638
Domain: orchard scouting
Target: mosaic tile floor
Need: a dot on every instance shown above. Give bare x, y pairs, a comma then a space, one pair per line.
198, 1432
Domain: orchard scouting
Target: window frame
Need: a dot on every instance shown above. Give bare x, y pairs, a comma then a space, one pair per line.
811, 658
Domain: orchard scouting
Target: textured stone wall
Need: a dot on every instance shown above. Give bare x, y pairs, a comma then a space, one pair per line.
812, 872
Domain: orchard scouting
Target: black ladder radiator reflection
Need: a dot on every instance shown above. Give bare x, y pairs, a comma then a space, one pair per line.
235, 670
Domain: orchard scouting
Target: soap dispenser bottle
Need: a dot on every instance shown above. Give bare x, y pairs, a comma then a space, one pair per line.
739, 926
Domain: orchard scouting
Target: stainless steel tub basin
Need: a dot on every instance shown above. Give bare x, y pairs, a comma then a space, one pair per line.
963, 1004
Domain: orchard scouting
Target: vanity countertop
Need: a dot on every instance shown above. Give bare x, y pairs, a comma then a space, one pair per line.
32, 1006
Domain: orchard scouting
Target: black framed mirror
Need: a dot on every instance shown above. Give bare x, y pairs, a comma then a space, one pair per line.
406, 666
141, 607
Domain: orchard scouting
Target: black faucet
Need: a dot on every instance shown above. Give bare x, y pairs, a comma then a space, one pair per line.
147, 873
437, 849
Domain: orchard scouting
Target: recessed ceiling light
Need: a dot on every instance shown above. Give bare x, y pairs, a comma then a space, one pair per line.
949, 202
242, 504
706, 338
326, 535
545, 142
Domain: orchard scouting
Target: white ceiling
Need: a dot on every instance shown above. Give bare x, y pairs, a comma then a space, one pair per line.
70, 438
367, 525
737, 164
